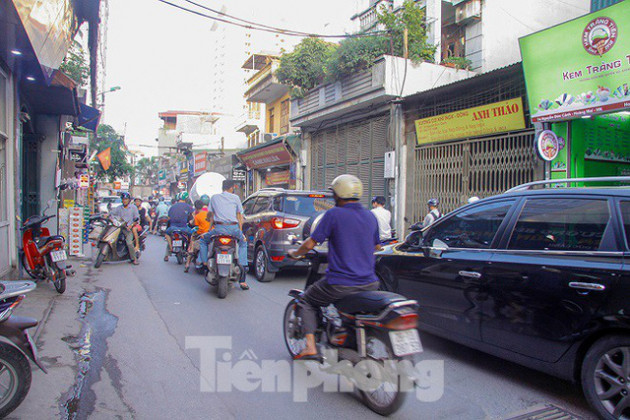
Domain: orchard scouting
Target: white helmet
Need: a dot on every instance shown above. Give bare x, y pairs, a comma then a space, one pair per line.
347, 187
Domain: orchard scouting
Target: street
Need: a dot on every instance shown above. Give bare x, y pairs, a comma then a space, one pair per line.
115, 346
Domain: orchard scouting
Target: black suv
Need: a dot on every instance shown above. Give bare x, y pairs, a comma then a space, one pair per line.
274, 219
538, 277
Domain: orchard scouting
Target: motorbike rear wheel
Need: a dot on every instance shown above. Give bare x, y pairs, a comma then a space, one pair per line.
30, 272
15, 370
101, 256
222, 287
60, 281
387, 398
180, 258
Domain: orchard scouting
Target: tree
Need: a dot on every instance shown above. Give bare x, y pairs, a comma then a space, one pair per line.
354, 55
75, 64
106, 137
146, 170
303, 68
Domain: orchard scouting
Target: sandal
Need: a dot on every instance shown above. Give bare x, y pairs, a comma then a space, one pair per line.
244, 286
308, 357
186, 269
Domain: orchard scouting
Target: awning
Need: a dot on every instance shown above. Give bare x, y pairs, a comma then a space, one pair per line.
266, 155
89, 117
60, 98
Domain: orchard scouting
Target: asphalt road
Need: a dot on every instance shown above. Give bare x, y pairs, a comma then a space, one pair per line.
140, 320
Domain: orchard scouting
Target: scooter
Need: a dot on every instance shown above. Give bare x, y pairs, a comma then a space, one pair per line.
367, 326
16, 348
180, 240
223, 264
43, 256
111, 244
162, 225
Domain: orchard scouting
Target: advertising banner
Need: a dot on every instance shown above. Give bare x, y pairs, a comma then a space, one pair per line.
487, 119
272, 155
277, 178
200, 163
579, 68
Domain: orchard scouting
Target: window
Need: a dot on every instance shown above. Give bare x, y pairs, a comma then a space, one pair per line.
284, 117
262, 204
277, 203
562, 224
248, 205
271, 120
304, 205
474, 228
625, 214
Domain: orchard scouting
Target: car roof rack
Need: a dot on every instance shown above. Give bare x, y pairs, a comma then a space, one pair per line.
529, 185
271, 189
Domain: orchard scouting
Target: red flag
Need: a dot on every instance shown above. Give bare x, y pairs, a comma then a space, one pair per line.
105, 157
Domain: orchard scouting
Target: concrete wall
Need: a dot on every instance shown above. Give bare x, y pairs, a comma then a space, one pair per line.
503, 22
49, 127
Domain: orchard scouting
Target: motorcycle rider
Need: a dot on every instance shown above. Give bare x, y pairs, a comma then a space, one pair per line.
179, 216
128, 213
225, 214
383, 217
161, 211
203, 225
353, 235
433, 214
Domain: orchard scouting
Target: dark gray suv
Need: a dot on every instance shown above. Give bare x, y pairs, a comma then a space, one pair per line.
274, 219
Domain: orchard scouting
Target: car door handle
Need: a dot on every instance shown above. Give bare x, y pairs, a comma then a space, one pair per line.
470, 274
587, 286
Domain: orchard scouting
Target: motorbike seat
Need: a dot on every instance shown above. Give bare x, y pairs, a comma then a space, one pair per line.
45, 239
367, 302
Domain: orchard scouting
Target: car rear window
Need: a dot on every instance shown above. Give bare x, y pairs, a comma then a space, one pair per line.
562, 224
304, 205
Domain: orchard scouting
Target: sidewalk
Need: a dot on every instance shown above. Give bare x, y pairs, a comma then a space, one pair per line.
59, 326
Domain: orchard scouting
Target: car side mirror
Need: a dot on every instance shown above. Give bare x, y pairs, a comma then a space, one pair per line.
436, 249
416, 227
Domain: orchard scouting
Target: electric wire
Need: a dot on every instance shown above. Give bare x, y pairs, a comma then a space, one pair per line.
264, 28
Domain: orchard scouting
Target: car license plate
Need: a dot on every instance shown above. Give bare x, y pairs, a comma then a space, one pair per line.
58, 255
405, 342
178, 243
224, 258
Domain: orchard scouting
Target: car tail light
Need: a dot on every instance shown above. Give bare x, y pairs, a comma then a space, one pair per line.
225, 240
403, 322
278, 258
282, 223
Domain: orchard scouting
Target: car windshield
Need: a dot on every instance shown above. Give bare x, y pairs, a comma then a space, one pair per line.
306, 205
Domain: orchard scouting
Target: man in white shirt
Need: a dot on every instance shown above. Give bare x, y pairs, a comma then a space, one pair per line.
383, 217
434, 214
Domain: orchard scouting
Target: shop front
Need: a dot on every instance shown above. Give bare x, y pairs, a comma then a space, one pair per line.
578, 82
270, 165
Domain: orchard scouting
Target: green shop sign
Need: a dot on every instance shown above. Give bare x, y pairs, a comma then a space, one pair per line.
581, 67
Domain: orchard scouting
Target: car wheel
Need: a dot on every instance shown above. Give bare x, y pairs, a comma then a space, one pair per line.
606, 377
261, 266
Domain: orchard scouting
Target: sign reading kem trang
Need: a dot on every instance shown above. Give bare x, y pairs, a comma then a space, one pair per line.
487, 119
264, 157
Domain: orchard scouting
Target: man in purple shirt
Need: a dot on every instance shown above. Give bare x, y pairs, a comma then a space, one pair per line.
352, 234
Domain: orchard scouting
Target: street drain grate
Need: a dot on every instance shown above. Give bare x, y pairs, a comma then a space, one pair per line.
544, 412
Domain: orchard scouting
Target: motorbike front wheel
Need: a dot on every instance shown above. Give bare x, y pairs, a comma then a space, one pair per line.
15, 378
222, 287
101, 255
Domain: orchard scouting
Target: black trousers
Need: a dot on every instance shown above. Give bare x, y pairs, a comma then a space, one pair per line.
321, 294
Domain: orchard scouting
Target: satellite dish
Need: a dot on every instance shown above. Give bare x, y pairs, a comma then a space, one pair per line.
210, 183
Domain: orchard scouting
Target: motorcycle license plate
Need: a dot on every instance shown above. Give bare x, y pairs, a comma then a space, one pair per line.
224, 258
178, 243
405, 342
58, 255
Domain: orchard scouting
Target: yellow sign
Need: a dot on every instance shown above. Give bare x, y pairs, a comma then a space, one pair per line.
487, 119
68, 203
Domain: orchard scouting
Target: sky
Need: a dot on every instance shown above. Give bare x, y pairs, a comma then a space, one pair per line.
161, 57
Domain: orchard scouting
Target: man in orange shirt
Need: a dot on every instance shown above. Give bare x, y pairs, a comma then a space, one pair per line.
203, 226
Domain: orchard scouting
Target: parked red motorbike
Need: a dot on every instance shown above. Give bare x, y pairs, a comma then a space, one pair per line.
44, 256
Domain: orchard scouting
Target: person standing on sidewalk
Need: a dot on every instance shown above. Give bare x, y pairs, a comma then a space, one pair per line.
383, 217
225, 215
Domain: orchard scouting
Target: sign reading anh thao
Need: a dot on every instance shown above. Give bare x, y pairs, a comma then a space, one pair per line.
472, 122
581, 67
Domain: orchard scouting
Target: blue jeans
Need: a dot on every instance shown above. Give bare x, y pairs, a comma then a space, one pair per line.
231, 230
172, 229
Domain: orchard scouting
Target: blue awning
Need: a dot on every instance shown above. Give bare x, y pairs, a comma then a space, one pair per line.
89, 117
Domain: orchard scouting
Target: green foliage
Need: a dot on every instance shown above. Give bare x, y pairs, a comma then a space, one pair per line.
303, 68
314, 61
459, 62
106, 137
412, 17
354, 55
75, 64
146, 170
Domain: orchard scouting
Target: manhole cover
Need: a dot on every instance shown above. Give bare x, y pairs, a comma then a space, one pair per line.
544, 412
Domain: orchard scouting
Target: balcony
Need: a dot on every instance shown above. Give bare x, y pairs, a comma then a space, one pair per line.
250, 122
373, 88
263, 87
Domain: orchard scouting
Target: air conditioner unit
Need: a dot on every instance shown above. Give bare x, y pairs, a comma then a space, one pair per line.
269, 136
468, 11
